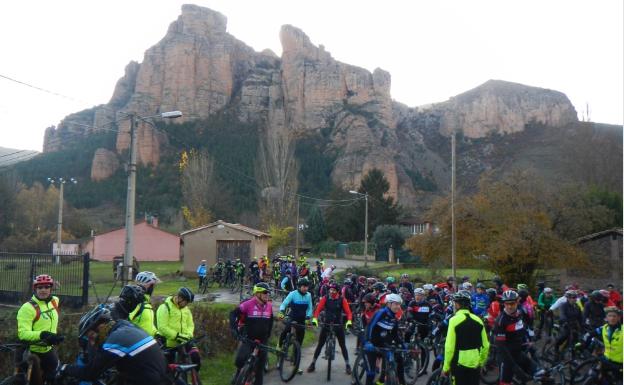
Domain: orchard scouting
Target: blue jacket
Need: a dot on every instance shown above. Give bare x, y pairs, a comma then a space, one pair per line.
383, 329
201, 270
480, 304
286, 283
300, 305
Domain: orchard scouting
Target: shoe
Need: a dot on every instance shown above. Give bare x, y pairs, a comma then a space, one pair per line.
311, 368
299, 371
348, 369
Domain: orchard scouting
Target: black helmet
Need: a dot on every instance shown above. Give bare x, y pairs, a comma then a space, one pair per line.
379, 286
491, 292
510, 296
462, 297
597, 295
303, 282
571, 294
94, 317
370, 298
497, 280
186, 294
541, 285
480, 285
131, 296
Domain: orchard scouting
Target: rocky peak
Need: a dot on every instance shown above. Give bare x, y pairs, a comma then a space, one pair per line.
198, 21
295, 42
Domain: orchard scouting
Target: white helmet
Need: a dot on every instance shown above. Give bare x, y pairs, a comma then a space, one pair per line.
394, 298
548, 290
428, 286
467, 285
146, 278
419, 291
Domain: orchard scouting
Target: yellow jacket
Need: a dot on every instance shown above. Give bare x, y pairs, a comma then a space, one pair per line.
174, 322
143, 316
36, 316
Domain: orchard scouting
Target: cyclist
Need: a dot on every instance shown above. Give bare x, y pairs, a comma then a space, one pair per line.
526, 303
594, 313
239, 267
406, 283
499, 285
391, 285
143, 315
419, 310
467, 346
120, 344
570, 319
329, 272
202, 270
37, 320
545, 300
611, 336
287, 283
334, 306
175, 323
347, 291
450, 285
494, 309
480, 301
300, 304
253, 318
130, 297
254, 271
217, 270
229, 271
512, 338
383, 332
614, 295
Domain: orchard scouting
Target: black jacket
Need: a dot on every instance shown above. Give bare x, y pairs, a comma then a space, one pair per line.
135, 354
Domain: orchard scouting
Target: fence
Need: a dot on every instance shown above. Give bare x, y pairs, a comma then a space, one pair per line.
17, 271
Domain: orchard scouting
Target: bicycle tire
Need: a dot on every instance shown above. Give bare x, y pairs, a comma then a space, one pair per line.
391, 377
288, 356
358, 375
424, 359
437, 379
9, 380
195, 380
329, 353
580, 373
246, 374
490, 372
411, 366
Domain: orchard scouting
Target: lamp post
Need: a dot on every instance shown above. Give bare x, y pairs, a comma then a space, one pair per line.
365, 195
59, 224
131, 193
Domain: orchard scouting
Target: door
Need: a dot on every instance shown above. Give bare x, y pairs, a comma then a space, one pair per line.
234, 249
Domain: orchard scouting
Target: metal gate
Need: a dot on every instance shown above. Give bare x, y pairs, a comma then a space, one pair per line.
234, 249
17, 271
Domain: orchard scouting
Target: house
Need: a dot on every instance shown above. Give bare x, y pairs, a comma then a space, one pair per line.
222, 240
416, 226
150, 243
604, 250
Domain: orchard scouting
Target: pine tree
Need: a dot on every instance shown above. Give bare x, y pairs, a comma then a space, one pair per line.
315, 232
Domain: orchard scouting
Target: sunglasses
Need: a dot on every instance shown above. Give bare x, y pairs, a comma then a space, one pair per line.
43, 287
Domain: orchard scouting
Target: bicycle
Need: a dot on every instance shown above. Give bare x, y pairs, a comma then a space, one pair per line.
330, 346
290, 351
27, 365
247, 374
419, 353
182, 359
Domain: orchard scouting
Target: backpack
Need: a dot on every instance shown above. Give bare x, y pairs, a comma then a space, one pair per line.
38, 309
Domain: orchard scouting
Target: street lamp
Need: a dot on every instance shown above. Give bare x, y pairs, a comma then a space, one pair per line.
365, 195
59, 225
130, 198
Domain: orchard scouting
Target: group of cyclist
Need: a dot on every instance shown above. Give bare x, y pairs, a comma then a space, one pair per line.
126, 335
130, 336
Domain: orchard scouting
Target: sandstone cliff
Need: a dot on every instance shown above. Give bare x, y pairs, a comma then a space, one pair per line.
200, 69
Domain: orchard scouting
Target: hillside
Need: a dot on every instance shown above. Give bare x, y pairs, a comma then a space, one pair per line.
305, 122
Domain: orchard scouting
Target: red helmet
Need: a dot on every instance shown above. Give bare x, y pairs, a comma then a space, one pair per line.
42, 279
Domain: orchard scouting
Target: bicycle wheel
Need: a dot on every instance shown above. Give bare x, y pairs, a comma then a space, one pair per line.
391, 377
289, 360
329, 353
490, 372
581, 372
11, 380
411, 365
423, 354
358, 375
195, 377
437, 379
246, 375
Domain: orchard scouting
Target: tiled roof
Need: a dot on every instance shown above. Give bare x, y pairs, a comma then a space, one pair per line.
235, 226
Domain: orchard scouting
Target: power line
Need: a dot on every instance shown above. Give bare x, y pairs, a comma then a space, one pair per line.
41, 89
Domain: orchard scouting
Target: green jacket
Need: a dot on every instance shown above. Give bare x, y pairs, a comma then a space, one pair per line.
467, 342
143, 316
544, 302
613, 345
31, 322
174, 322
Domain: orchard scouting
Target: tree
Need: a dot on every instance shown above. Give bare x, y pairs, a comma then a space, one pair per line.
386, 236
506, 227
315, 232
343, 219
280, 238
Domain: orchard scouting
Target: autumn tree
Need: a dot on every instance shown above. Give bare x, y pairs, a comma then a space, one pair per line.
280, 238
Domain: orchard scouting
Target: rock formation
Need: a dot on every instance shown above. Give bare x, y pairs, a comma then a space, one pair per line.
105, 163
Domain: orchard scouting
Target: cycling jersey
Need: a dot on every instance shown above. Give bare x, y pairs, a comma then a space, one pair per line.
174, 322
201, 270
510, 330
36, 316
334, 307
254, 318
300, 305
594, 314
419, 311
143, 316
466, 343
545, 301
612, 340
348, 294
480, 304
136, 356
571, 315
383, 329
407, 285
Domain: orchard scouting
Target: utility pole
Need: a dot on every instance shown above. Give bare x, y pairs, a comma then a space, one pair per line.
130, 204
59, 223
453, 259
366, 231
297, 232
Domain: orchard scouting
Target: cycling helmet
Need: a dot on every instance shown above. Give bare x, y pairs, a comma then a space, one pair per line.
389, 279
462, 297
131, 296
571, 294
370, 298
393, 298
261, 288
510, 296
523, 286
428, 286
347, 281
379, 286
465, 278
597, 295
404, 275
361, 280
605, 293
333, 267
497, 280
450, 278
94, 317
186, 294
333, 285
467, 285
612, 309
541, 284
303, 282
146, 278
41, 280
548, 290
371, 280
419, 291
480, 286
491, 292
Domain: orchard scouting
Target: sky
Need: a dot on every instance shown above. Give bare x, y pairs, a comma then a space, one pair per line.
77, 50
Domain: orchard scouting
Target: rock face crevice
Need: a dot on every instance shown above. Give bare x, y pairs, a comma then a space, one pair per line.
200, 69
